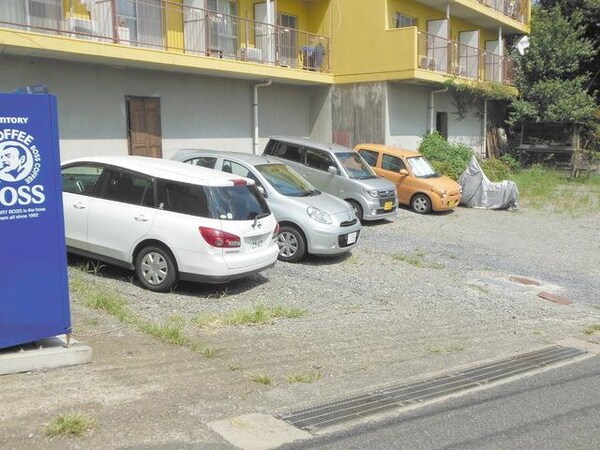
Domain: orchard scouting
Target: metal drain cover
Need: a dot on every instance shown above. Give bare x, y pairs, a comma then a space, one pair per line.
332, 413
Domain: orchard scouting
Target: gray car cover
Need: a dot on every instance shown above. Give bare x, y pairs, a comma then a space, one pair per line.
480, 192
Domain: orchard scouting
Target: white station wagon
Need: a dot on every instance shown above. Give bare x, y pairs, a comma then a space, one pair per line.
166, 220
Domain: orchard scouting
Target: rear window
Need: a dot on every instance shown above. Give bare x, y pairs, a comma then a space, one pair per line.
243, 202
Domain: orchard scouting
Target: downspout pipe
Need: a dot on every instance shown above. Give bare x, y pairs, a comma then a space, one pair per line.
255, 114
484, 143
431, 107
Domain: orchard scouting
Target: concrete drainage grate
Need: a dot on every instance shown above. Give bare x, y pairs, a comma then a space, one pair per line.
332, 413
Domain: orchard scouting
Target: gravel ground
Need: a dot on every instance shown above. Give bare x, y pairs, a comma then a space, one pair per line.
418, 294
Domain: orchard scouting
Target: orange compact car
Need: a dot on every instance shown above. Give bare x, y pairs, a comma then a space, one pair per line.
417, 183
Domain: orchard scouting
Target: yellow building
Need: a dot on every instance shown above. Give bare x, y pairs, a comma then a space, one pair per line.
152, 76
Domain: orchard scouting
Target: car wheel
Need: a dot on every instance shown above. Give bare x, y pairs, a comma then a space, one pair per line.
155, 268
356, 208
291, 243
421, 204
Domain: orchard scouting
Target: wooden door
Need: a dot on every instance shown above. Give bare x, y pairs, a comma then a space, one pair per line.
143, 126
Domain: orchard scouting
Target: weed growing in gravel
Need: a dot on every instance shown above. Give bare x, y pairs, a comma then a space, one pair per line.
90, 266
413, 260
303, 377
261, 378
454, 349
170, 332
234, 366
417, 259
591, 329
480, 289
72, 424
259, 315
109, 303
210, 352
351, 260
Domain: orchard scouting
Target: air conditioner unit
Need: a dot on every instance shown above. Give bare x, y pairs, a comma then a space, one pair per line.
81, 28
253, 54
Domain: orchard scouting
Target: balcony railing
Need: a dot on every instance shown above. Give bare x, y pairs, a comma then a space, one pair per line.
453, 58
194, 31
515, 9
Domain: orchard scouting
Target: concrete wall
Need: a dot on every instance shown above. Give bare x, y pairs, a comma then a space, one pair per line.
408, 117
196, 111
359, 109
321, 114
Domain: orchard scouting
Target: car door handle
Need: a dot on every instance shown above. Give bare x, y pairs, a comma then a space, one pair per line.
79, 206
141, 218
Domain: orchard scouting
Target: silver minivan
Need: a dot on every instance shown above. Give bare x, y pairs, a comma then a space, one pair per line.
310, 221
339, 171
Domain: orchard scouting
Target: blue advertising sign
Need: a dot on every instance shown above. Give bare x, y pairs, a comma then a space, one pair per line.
34, 294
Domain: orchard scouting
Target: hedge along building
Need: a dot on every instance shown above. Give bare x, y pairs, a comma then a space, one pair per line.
151, 76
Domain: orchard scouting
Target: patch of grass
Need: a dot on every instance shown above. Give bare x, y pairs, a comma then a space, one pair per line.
259, 315
352, 260
234, 366
261, 378
417, 259
303, 377
170, 332
108, 302
413, 260
480, 289
453, 349
537, 332
69, 425
90, 266
592, 329
542, 187
210, 352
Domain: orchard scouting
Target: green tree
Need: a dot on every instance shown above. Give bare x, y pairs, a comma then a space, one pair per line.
549, 76
590, 20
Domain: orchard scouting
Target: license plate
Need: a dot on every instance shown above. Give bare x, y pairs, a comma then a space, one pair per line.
256, 244
351, 238
388, 205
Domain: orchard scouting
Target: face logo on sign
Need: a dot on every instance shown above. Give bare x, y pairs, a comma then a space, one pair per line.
16, 161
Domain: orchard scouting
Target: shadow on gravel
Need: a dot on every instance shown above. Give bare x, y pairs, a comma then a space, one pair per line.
109, 271
313, 260
407, 209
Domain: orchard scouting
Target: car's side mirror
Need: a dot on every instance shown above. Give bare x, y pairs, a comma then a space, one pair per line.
262, 191
332, 170
403, 172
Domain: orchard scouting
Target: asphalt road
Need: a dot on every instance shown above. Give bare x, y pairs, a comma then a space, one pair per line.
556, 409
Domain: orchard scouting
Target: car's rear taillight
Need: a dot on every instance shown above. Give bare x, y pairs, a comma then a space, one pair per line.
239, 182
276, 230
218, 238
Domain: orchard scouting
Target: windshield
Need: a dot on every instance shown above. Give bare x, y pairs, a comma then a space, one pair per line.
285, 181
355, 166
421, 167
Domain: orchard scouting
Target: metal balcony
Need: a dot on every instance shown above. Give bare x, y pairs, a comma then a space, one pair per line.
164, 25
453, 58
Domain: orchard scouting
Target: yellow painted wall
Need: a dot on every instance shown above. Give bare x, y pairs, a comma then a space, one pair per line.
174, 25
74, 8
364, 42
423, 13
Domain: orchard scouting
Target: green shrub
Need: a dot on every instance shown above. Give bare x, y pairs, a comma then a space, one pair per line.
446, 158
513, 164
495, 169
